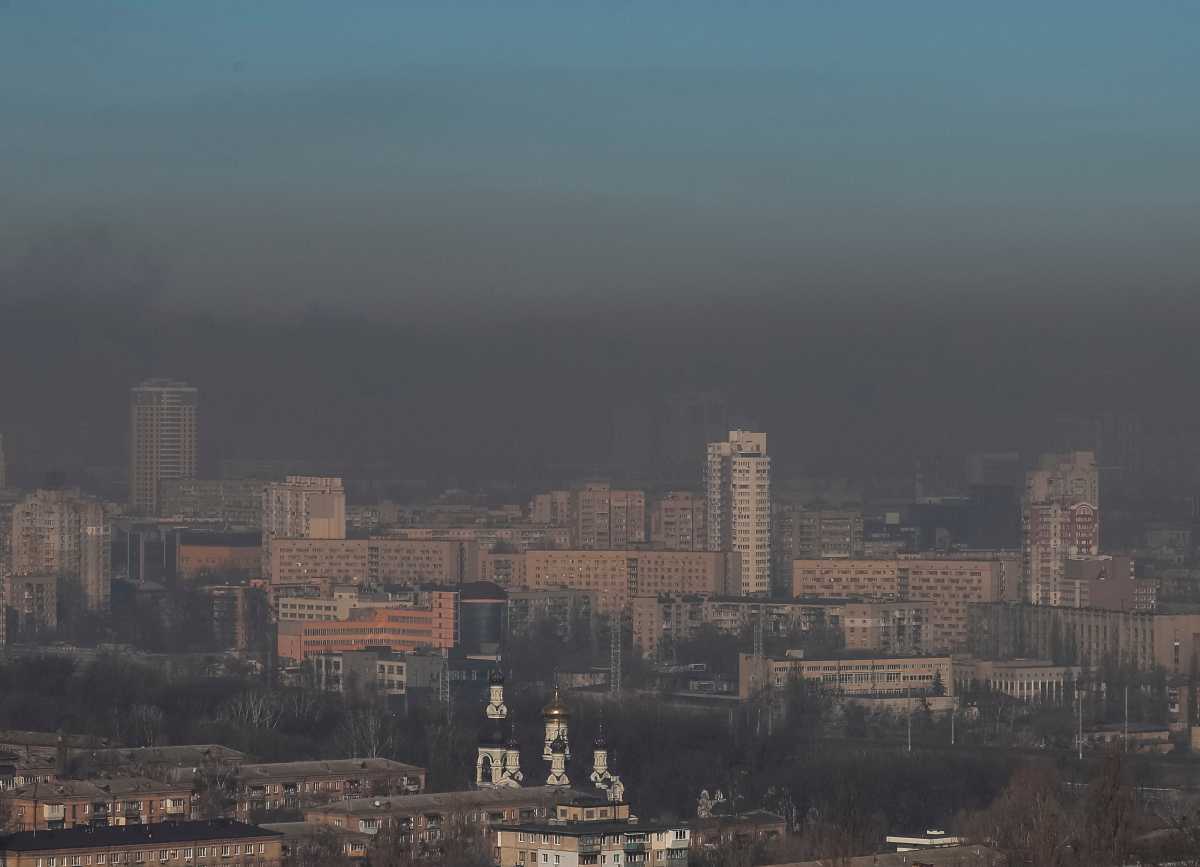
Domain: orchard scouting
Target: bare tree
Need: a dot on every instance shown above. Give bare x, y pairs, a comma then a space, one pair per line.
252, 709
367, 732
145, 724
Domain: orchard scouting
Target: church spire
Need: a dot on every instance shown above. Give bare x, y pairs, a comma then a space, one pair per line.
602, 776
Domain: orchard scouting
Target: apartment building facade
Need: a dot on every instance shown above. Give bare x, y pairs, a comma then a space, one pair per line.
64, 532
615, 577
737, 492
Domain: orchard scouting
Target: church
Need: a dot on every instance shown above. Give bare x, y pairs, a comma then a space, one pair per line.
498, 764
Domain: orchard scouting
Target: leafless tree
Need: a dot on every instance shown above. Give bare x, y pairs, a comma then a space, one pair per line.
367, 732
145, 724
253, 709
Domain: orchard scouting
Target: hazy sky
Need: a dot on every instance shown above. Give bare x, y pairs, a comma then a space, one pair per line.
471, 155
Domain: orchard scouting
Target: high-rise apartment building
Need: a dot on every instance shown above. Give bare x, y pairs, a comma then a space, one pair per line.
62, 532
1060, 519
737, 492
598, 515
305, 507
301, 507
813, 534
162, 439
605, 518
677, 522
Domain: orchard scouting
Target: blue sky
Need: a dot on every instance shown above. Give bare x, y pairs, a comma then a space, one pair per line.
397, 153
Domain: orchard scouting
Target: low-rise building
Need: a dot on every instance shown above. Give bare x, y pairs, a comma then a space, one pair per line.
434, 625
1032, 680
379, 671
589, 831
224, 842
296, 785
98, 803
421, 818
230, 555
851, 677
736, 829
660, 619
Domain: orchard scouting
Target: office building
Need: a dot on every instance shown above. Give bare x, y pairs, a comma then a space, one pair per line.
1030, 680
434, 625
1079, 636
203, 554
163, 422
738, 505
1060, 519
3, 465
64, 533
865, 677
677, 522
377, 671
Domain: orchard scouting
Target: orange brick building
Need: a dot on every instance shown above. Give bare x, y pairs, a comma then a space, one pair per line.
397, 628
195, 560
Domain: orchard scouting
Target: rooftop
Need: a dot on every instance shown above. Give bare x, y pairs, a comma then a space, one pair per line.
99, 789
589, 829
332, 767
131, 835
450, 801
944, 856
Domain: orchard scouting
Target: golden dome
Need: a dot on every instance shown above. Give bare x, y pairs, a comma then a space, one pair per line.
556, 709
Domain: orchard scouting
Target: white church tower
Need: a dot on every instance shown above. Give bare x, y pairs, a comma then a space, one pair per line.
558, 763
498, 764
602, 776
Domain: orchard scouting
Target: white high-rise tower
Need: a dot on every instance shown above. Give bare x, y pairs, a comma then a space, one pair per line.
737, 490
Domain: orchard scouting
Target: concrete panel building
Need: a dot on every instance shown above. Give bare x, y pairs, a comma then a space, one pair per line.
737, 492
677, 522
63, 532
163, 439
615, 577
